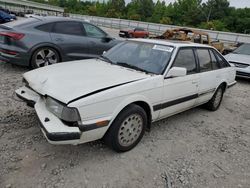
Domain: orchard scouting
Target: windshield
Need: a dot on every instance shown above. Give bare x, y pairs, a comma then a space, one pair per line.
243, 49
146, 57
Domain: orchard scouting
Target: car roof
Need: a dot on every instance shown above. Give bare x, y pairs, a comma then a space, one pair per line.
56, 18
174, 43
38, 20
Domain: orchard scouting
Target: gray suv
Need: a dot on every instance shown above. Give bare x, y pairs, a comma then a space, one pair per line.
41, 41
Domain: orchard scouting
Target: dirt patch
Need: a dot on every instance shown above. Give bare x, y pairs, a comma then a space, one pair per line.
196, 148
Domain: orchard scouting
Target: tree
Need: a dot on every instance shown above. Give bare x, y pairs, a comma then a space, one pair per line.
184, 12
143, 8
215, 9
159, 10
215, 14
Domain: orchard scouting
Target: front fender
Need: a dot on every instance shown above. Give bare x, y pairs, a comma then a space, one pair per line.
132, 99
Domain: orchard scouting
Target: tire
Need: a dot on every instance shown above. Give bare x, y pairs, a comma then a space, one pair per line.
215, 101
146, 36
127, 129
43, 57
130, 36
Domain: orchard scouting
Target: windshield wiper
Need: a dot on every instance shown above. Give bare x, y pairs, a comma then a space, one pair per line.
102, 57
132, 67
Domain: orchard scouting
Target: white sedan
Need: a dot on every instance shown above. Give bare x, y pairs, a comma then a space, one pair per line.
240, 58
117, 96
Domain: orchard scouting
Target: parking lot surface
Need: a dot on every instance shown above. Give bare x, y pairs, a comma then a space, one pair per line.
197, 148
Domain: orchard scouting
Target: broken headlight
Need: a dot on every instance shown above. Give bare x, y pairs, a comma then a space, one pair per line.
63, 112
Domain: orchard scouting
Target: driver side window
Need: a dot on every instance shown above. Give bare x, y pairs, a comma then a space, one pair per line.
185, 59
93, 31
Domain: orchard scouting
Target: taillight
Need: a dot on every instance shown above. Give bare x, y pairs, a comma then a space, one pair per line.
13, 35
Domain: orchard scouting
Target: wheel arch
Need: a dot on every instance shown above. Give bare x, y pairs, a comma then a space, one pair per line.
223, 84
42, 45
145, 106
140, 101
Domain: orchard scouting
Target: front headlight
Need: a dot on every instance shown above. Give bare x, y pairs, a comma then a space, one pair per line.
61, 111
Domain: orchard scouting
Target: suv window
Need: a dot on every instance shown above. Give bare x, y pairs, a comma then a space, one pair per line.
185, 58
222, 62
215, 63
45, 27
204, 60
68, 28
139, 29
93, 31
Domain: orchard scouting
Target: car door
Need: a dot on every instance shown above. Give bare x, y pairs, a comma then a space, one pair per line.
98, 40
70, 37
210, 75
140, 33
180, 93
137, 33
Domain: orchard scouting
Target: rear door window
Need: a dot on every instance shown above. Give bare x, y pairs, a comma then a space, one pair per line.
68, 28
204, 60
185, 59
222, 62
215, 63
45, 27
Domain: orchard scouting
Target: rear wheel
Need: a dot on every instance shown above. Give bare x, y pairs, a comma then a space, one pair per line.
215, 101
44, 56
127, 129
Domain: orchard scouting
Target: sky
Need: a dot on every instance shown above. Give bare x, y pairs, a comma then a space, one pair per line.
233, 3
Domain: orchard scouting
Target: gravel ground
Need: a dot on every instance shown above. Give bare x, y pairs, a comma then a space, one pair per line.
196, 148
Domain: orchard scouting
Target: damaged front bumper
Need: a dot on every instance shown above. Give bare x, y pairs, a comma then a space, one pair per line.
55, 131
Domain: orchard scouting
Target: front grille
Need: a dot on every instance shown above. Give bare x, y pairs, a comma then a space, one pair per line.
239, 65
245, 74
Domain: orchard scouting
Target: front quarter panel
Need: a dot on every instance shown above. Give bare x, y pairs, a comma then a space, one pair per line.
109, 103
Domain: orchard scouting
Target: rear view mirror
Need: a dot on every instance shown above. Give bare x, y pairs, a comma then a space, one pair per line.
177, 72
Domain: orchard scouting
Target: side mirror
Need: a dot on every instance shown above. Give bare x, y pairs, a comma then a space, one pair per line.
104, 52
107, 39
176, 72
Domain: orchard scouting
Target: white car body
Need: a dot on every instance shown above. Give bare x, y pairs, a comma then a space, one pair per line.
100, 91
241, 62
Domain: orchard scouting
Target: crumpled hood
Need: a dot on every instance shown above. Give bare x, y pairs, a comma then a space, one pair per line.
240, 58
70, 80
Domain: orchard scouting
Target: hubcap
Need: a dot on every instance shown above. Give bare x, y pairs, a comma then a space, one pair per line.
46, 57
130, 130
218, 97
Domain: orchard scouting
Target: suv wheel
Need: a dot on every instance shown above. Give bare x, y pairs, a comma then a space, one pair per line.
44, 57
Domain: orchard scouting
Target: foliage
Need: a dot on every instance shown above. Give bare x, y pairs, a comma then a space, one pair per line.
212, 14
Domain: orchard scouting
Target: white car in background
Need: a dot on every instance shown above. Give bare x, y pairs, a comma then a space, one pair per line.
117, 96
240, 58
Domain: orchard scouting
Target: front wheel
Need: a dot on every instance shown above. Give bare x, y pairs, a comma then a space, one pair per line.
127, 129
215, 101
43, 57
